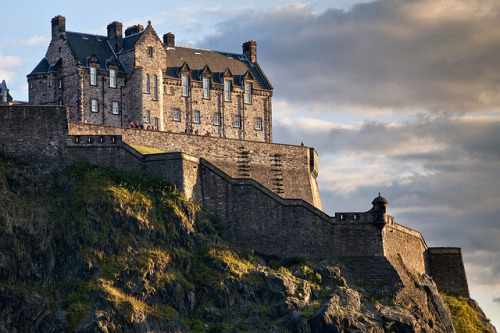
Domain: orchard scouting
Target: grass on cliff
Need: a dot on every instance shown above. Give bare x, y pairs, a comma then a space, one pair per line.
465, 318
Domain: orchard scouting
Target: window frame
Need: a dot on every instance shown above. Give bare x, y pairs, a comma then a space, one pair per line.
206, 88
115, 108
112, 78
185, 85
94, 102
150, 51
146, 84
155, 87
217, 118
156, 123
227, 91
93, 76
248, 93
177, 115
237, 121
196, 116
51, 82
148, 116
258, 124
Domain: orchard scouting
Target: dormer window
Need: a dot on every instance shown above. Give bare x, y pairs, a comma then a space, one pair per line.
248, 93
185, 82
206, 88
150, 51
93, 76
112, 78
146, 83
227, 91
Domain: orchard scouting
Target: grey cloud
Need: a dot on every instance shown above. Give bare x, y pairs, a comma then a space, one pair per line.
385, 54
497, 300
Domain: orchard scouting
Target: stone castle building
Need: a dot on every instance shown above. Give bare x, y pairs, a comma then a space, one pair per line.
137, 77
5, 97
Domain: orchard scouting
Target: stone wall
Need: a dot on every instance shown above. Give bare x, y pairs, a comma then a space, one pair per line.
289, 171
447, 269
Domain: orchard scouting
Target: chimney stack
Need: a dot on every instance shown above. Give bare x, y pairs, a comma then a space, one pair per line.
250, 50
58, 25
169, 39
115, 36
134, 30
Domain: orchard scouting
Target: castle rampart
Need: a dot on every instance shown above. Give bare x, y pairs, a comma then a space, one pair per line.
254, 216
289, 171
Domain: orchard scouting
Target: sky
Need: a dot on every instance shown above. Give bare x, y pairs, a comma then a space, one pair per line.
400, 97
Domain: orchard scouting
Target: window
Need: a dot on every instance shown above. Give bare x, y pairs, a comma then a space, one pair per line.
227, 91
156, 123
164, 89
237, 121
93, 105
148, 116
60, 84
258, 124
112, 78
206, 88
217, 119
146, 83
150, 51
171, 90
177, 115
184, 85
93, 76
155, 87
115, 108
51, 82
196, 117
248, 93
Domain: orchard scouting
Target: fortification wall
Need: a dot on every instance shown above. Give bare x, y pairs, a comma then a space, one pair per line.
407, 244
34, 134
289, 171
447, 269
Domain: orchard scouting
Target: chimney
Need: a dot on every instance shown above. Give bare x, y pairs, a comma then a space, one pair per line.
115, 35
169, 39
250, 50
134, 30
58, 26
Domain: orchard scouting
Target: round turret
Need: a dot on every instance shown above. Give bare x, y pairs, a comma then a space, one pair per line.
379, 209
380, 200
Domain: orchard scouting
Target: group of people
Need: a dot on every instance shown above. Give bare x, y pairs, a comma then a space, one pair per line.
196, 132
141, 126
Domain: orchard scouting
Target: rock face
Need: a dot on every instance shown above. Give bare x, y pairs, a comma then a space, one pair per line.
97, 250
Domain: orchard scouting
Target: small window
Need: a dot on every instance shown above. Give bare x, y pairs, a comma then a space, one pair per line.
227, 91
93, 105
112, 78
150, 51
258, 124
51, 82
171, 90
31, 85
185, 85
156, 123
164, 89
155, 87
177, 115
248, 93
196, 117
148, 116
115, 109
217, 119
237, 121
60, 84
146, 83
206, 88
93, 76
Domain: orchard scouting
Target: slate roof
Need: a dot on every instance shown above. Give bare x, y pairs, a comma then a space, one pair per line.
218, 62
129, 42
44, 66
86, 45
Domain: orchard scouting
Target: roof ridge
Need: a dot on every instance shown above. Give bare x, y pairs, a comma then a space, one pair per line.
88, 34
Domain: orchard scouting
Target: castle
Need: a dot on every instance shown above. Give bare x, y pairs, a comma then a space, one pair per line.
265, 194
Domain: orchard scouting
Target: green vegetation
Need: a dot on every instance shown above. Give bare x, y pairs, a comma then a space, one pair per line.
147, 150
465, 318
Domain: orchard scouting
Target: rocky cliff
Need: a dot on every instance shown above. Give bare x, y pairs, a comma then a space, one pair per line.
98, 250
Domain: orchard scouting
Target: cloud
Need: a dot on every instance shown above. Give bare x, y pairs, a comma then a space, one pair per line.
7, 67
497, 300
383, 56
36, 40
